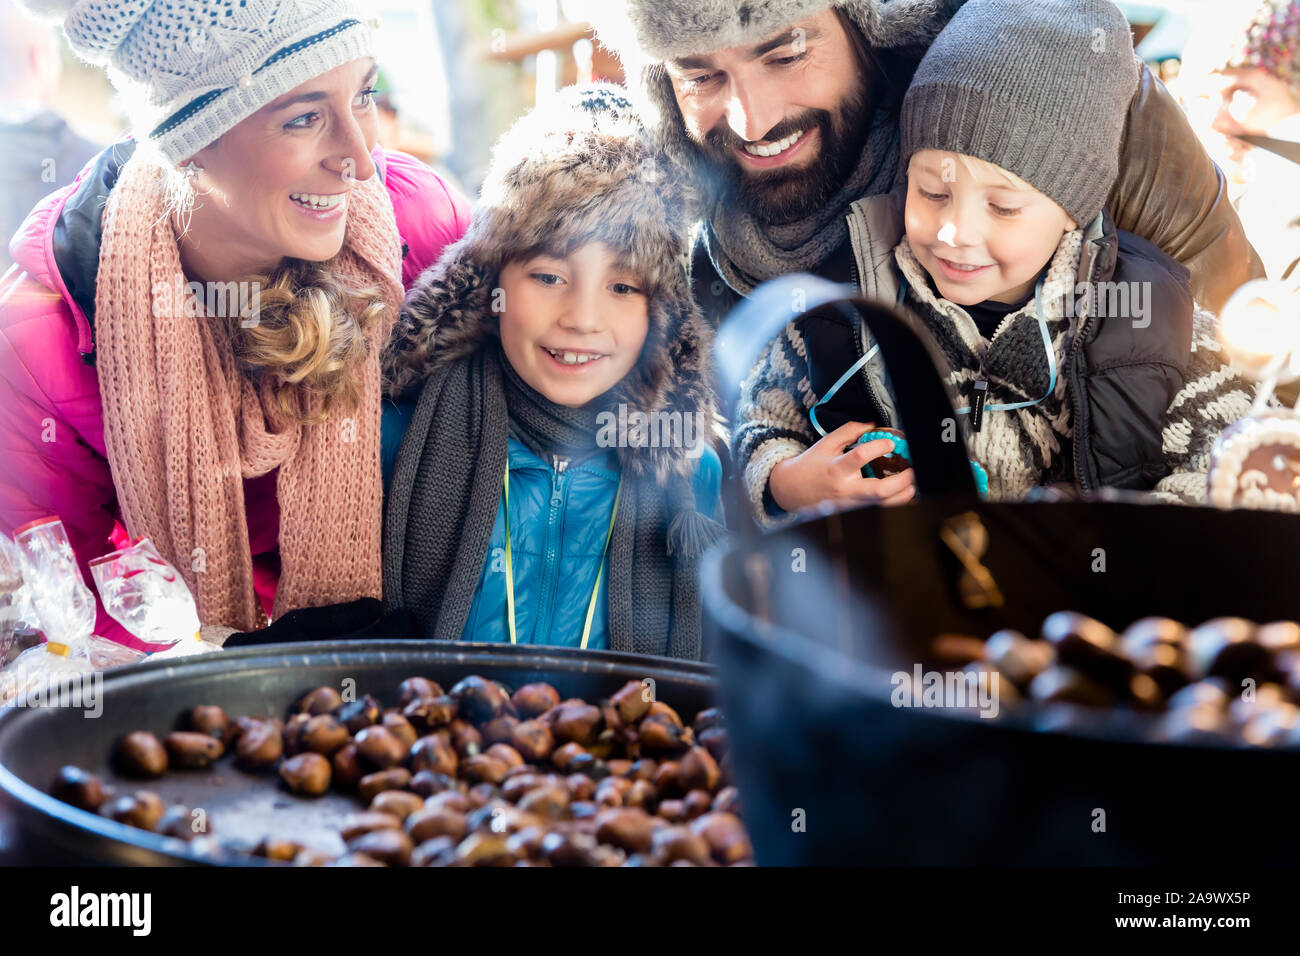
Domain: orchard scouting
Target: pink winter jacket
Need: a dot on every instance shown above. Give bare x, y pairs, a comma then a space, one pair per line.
52, 455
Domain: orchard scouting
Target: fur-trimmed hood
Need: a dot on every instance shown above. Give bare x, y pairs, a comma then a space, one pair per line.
582, 168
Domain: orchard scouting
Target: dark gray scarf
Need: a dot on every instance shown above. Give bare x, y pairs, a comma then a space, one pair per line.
445, 491
746, 251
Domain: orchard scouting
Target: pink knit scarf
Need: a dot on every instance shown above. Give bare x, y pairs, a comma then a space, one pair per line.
185, 425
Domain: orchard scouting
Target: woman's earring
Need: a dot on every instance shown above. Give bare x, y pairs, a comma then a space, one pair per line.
191, 171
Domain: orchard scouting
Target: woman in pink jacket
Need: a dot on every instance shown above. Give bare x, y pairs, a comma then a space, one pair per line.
190, 336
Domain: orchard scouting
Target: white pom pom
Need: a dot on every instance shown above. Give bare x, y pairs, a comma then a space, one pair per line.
51, 10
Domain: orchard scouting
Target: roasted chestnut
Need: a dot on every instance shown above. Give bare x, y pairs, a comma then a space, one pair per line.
533, 700
400, 803
324, 734
357, 715
697, 770
379, 747
322, 700
479, 699
1226, 647
211, 720
548, 802
142, 809
533, 740
292, 733
141, 754
436, 852
1089, 647
434, 753
725, 834
401, 728
1067, 685
484, 768
696, 803
499, 730
659, 735
673, 843
392, 847
430, 713
417, 688
579, 723
373, 784
662, 709
465, 737
79, 788
427, 783
1018, 658
627, 828
260, 744
307, 774
188, 750
359, 824
346, 767
632, 701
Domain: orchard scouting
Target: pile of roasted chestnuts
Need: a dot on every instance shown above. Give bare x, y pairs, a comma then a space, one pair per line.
1227, 680
475, 776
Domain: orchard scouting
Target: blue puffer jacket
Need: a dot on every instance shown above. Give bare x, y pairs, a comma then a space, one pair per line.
558, 521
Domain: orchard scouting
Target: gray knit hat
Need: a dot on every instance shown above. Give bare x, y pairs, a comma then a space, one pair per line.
646, 33
1041, 89
192, 69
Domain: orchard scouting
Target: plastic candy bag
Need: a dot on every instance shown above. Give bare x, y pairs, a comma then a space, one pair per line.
56, 596
148, 597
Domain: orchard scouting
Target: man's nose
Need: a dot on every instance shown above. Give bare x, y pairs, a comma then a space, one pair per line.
748, 116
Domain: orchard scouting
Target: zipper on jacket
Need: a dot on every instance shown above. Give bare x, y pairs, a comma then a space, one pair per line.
546, 605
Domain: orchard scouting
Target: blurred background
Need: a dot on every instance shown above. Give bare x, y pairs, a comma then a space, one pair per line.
456, 73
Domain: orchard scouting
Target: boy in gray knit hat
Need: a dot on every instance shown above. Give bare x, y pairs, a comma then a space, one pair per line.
1076, 354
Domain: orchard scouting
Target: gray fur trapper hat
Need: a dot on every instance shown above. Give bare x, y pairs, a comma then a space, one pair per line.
580, 168
647, 33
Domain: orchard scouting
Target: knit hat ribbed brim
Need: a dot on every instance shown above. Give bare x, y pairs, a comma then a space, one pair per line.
1040, 89
189, 70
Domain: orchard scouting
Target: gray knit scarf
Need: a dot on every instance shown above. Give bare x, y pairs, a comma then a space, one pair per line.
446, 488
746, 251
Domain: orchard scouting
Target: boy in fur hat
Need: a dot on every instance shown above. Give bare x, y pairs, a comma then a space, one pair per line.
556, 483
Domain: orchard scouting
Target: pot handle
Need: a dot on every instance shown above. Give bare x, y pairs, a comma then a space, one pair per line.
906, 347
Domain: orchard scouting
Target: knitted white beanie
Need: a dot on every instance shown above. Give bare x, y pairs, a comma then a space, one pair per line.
192, 69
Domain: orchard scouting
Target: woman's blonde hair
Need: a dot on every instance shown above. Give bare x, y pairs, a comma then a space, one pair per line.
310, 336
309, 333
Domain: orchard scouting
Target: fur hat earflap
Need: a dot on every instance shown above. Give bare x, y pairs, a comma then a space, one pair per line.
580, 168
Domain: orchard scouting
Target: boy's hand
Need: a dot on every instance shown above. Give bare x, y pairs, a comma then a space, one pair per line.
829, 472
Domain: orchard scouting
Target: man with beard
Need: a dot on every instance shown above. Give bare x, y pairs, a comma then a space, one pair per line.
785, 112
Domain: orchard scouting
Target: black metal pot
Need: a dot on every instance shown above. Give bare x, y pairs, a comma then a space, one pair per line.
808, 627
240, 807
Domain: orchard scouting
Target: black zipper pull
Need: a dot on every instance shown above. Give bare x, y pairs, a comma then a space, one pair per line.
977, 406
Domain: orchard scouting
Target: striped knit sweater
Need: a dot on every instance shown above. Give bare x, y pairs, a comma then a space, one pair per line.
1020, 449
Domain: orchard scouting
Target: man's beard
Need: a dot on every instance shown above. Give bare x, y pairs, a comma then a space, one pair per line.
785, 195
